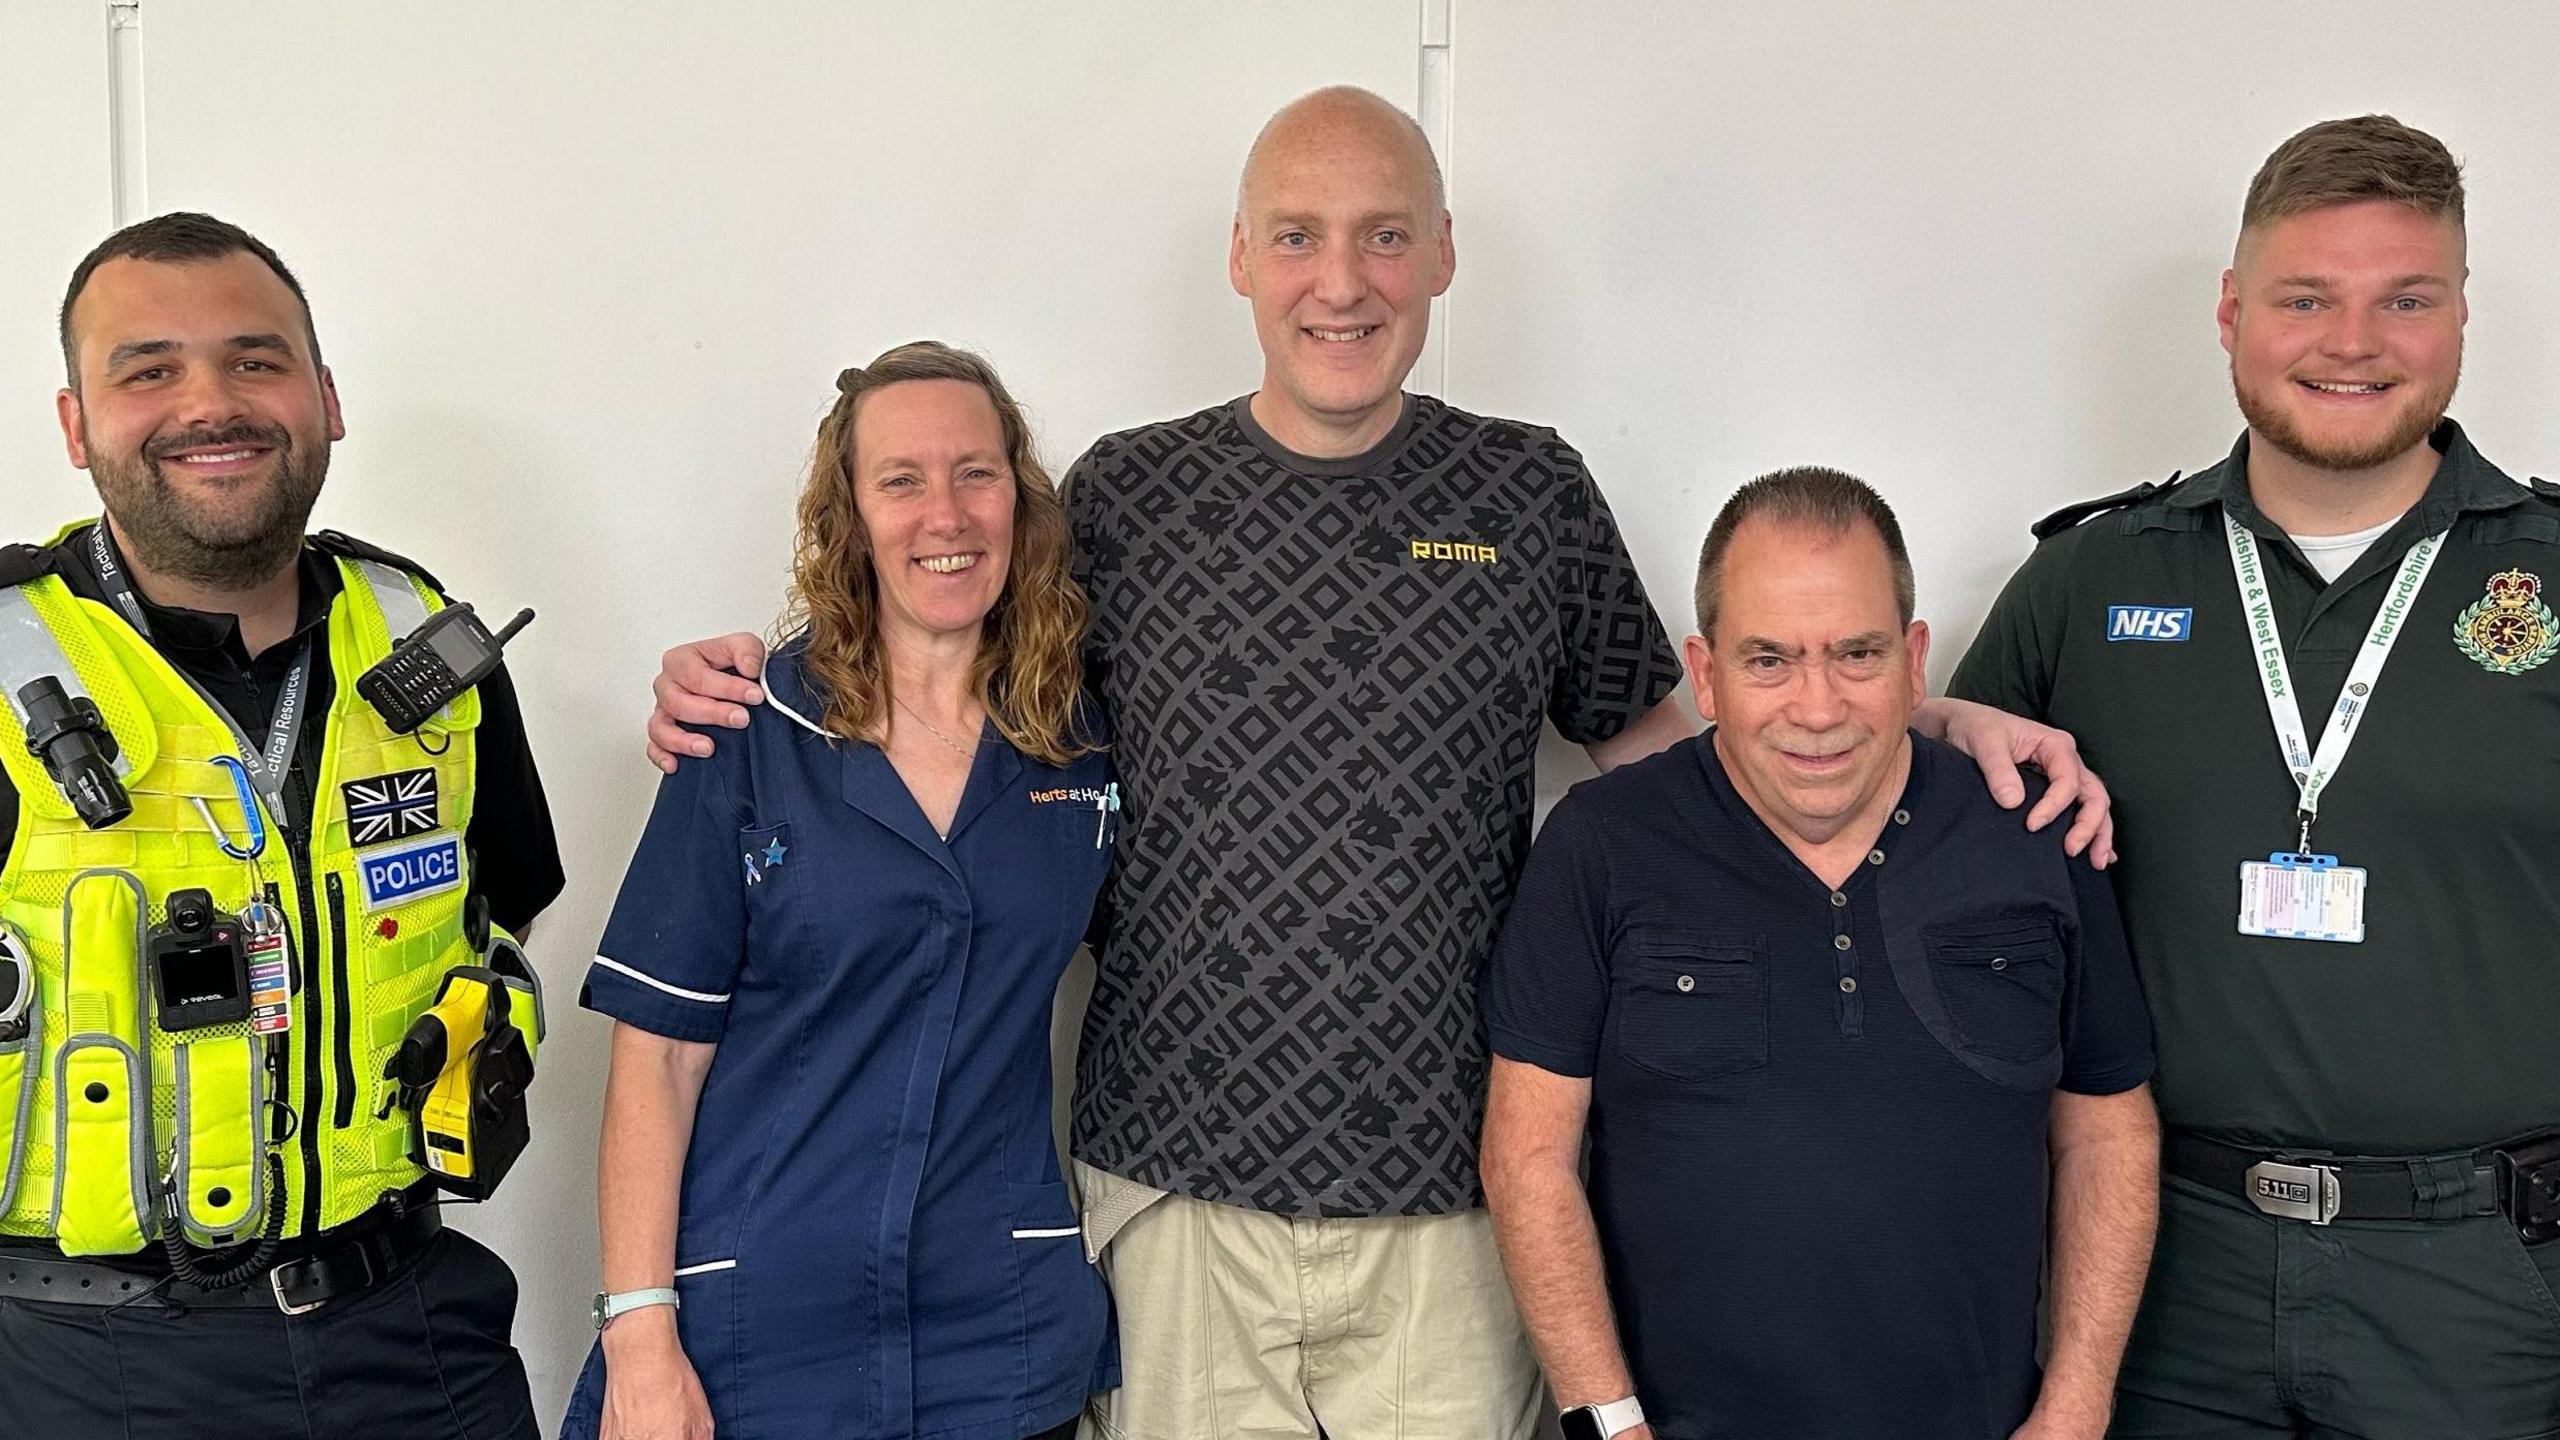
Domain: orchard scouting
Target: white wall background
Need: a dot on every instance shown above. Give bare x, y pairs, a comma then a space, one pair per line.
585, 271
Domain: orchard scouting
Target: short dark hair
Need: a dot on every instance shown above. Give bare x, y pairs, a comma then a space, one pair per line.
177, 237
2344, 162
1826, 500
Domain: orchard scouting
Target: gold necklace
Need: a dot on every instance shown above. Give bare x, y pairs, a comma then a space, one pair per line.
968, 752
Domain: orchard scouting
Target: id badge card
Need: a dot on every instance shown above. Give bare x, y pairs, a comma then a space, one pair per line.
2302, 897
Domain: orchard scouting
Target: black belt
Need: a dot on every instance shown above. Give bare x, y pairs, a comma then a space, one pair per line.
2295, 1185
355, 1257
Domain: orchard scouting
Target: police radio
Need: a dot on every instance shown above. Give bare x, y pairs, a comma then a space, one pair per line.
447, 655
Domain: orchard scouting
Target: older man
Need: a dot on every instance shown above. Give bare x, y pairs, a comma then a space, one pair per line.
1330, 619
1828, 1017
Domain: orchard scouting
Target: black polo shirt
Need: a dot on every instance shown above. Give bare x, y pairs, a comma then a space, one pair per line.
510, 831
2441, 1030
1818, 1117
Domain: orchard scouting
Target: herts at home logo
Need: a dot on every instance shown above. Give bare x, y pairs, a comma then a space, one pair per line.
2150, 622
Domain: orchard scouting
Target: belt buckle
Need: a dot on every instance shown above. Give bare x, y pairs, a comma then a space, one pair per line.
275, 1283
2293, 1192
320, 1271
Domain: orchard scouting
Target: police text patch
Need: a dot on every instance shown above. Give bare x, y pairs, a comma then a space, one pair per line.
403, 873
2150, 622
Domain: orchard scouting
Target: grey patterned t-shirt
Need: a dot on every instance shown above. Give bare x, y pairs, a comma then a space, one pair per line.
1326, 681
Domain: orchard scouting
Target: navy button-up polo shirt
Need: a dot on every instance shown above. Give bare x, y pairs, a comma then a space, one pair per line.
874, 1236
1819, 1114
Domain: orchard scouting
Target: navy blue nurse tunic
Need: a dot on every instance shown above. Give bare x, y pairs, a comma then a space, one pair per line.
874, 1238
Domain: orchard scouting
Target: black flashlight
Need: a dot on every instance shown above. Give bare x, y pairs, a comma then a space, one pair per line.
68, 734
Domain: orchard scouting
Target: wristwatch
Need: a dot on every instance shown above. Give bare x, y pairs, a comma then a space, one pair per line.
623, 1302
1599, 1422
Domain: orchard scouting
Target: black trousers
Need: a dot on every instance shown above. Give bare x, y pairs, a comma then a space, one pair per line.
2261, 1329
424, 1355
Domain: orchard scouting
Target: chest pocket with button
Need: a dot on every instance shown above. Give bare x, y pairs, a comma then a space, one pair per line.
2001, 983
1690, 1008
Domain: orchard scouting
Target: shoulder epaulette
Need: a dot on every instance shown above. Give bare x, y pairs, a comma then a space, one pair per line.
2070, 515
2544, 488
338, 542
22, 563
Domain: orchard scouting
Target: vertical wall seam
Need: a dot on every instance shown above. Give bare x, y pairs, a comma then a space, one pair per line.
128, 177
1437, 71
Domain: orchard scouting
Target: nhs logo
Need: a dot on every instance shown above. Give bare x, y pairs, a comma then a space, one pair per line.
2150, 622
401, 873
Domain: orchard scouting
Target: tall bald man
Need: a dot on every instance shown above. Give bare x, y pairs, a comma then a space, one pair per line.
1330, 619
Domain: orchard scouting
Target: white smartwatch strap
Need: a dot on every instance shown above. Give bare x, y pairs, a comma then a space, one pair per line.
1619, 1416
623, 1302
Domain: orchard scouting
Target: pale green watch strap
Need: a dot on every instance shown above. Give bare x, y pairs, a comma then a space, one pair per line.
623, 1302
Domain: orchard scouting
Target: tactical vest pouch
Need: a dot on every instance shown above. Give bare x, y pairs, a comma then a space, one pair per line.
18, 1060
508, 959
216, 1180
102, 1080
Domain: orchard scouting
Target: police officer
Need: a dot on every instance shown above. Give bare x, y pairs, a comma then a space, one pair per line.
2317, 676
228, 886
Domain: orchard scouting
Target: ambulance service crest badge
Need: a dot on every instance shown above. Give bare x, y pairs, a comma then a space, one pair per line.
2509, 630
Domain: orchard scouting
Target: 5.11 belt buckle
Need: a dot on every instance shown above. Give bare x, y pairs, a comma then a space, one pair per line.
2293, 1192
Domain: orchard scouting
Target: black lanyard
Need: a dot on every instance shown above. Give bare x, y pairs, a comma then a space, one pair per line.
267, 767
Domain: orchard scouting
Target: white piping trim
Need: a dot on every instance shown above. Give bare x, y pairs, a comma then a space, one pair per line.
680, 993
797, 718
706, 1267
1048, 1234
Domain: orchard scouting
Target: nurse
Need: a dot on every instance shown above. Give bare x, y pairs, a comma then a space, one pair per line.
828, 1192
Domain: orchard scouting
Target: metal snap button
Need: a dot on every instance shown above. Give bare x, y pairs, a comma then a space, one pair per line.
1999, 962
1838, 899
1901, 817
1848, 984
1686, 984
1839, 942
1875, 857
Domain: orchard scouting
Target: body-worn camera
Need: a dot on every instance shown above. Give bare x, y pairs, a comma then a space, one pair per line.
67, 733
447, 655
199, 960
2529, 1187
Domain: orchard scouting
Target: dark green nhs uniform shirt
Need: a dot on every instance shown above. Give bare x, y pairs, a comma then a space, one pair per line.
2441, 1030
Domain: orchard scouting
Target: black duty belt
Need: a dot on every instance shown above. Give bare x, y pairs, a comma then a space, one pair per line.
2297, 1185
356, 1257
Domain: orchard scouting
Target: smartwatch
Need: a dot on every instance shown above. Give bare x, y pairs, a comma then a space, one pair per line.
1599, 1422
623, 1302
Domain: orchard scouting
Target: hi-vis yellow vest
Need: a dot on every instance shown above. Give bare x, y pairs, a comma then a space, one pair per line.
107, 1123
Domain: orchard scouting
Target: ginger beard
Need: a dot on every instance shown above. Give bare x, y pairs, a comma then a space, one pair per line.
2272, 412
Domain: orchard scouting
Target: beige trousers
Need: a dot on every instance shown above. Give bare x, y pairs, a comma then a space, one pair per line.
1241, 1325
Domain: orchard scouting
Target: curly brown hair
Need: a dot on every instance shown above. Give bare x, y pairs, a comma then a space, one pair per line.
1029, 671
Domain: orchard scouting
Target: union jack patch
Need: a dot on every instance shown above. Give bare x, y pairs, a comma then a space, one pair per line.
384, 808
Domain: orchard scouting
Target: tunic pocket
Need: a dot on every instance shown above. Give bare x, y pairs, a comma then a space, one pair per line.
1691, 1009
706, 1278
1065, 1311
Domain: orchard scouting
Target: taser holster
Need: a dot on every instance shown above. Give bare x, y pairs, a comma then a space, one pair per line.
462, 1071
